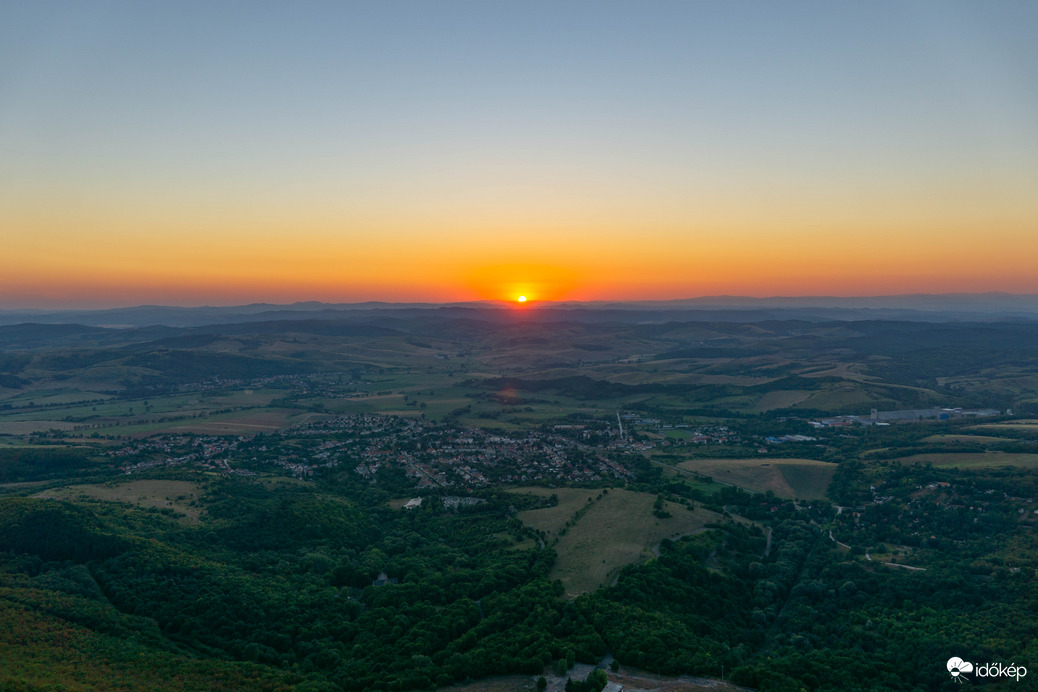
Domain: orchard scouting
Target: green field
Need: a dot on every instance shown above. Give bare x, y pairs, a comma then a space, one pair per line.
969, 439
54, 397
807, 479
27, 427
160, 494
975, 460
552, 519
207, 412
237, 423
841, 399
618, 528
1017, 425
781, 399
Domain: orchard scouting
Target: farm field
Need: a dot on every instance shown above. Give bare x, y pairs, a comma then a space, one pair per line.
27, 427
238, 423
617, 529
807, 479
976, 460
208, 413
54, 397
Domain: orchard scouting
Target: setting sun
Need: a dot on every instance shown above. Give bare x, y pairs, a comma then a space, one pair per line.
521, 299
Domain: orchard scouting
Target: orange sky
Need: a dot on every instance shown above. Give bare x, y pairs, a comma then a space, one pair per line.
341, 155
129, 249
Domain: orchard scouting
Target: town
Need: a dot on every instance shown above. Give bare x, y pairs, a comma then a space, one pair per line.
431, 455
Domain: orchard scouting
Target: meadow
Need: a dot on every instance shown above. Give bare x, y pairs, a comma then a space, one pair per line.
1024, 425
978, 460
597, 533
807, 479
964, 438
181, 497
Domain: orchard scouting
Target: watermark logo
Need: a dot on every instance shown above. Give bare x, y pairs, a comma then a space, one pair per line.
956, 666
959, 668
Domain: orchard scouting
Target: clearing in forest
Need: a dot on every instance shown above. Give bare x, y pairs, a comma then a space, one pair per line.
794, 478
160, 494
617, 528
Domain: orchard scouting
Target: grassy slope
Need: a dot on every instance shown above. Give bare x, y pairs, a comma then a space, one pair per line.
160, 494
975, 460
802, 478
618, 528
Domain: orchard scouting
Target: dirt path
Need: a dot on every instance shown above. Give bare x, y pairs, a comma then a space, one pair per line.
840, 544
869, 557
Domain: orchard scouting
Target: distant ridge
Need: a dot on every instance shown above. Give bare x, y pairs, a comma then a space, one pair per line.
991, 301
915, 307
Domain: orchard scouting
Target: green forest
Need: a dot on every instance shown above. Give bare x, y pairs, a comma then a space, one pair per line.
273, 588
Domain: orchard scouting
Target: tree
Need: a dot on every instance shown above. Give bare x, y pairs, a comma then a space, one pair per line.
595, 681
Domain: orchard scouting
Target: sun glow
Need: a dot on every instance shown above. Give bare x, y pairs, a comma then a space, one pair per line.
521, 299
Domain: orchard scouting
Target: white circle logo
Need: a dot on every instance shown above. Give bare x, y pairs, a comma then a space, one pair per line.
956, 666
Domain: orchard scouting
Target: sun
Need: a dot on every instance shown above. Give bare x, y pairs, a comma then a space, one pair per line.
521, 299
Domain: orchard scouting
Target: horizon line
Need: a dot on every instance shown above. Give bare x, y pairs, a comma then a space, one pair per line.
529, 304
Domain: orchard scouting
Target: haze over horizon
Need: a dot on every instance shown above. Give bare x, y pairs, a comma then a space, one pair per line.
199, 154
903, 306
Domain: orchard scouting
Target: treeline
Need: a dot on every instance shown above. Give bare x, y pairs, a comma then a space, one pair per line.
20, 464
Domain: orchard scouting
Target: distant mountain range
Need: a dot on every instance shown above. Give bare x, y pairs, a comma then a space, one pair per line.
916, 307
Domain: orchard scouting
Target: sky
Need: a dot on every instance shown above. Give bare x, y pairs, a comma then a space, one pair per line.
219, 153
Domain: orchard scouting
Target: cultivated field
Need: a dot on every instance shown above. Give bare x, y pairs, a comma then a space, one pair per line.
244, 423
807, 479
617, 529
27, 427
